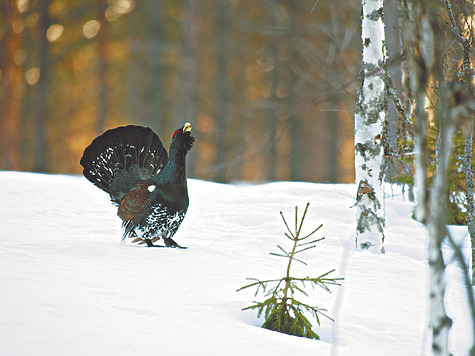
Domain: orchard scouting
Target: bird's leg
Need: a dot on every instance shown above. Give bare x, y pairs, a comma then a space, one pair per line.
149, 242
171, 243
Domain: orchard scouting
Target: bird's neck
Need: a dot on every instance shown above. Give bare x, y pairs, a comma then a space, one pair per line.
174, 171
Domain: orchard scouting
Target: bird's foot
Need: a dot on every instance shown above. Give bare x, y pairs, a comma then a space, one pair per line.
148, 242
171, 243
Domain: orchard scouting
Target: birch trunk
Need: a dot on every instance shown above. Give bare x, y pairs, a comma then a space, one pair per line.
466, 42
370, 115
470, 190
428, 59
439, 322
415, 76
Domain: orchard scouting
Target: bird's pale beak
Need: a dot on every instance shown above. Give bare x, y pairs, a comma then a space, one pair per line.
187, 127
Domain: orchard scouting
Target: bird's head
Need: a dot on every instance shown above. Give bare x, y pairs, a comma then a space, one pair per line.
182, 138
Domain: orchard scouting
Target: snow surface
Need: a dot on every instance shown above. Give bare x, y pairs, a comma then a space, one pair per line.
69, 287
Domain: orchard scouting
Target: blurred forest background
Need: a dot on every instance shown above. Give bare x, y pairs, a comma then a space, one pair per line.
268, 85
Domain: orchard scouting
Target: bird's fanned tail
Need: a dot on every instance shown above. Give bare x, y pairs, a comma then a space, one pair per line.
121, 157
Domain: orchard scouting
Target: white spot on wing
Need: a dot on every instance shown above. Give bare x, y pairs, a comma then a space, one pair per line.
151, 188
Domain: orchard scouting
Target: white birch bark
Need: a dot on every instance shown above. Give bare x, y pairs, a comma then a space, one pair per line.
432, 49
439, 322
431, 210
370, 116
467, 44
470, 191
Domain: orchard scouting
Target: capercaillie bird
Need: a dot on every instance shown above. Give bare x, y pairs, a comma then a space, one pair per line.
148, 186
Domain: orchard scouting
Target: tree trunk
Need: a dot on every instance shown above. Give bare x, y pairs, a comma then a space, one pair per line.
11, 91
42, 90
439, 322
420, 61
469, 193
332, 125
295, 138
459, 109
467, 70
428, 59
469, 190
188, 102
295, 127
273, 118
136, 80
406, 34
394, 71
154, 94
370, 116
101, 108
221, 91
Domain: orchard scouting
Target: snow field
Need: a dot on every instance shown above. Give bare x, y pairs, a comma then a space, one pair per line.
69, 287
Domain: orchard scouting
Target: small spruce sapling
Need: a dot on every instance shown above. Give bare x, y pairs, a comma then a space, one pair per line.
282, 311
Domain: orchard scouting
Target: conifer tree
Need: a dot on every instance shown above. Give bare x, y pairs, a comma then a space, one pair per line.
282, 311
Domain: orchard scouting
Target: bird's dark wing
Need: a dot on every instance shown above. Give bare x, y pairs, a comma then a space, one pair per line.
134, 202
